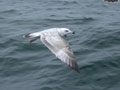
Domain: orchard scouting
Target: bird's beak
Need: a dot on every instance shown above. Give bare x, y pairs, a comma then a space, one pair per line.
73, 32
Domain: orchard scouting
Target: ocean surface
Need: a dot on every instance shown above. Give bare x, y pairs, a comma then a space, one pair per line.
31, 66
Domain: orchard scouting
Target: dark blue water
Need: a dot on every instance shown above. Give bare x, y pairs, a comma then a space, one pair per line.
96, 45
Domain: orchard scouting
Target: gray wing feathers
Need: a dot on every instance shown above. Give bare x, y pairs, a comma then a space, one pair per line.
67, 57
47, 44
61, 49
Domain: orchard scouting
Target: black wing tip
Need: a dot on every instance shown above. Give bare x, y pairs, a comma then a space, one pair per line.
75, 66
76, 69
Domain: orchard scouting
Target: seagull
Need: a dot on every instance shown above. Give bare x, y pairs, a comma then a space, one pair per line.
52, 39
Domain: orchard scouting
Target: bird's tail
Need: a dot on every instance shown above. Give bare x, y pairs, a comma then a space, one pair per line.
27, 35
34, 36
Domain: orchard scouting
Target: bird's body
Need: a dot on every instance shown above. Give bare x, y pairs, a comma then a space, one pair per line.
52, 38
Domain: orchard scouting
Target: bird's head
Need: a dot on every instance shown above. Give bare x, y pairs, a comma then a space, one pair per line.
65, 31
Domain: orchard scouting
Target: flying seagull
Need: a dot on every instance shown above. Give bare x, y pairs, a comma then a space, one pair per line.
52, 39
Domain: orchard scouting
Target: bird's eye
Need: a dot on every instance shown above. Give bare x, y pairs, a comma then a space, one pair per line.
66, 30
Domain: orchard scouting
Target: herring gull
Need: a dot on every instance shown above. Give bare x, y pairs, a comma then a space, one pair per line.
52, 39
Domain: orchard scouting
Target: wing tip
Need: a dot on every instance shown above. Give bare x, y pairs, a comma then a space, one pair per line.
75, 66
76, 69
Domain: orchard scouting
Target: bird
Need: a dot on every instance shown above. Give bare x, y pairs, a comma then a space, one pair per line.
53, 39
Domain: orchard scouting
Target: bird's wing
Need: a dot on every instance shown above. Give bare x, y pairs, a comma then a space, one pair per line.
61, 49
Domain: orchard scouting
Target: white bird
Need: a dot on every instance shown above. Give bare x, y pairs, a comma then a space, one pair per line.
52, 38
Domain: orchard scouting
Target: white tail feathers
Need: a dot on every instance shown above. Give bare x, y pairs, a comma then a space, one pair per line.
32, 35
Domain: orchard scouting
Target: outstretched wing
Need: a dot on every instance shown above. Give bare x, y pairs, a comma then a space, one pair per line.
61, 49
